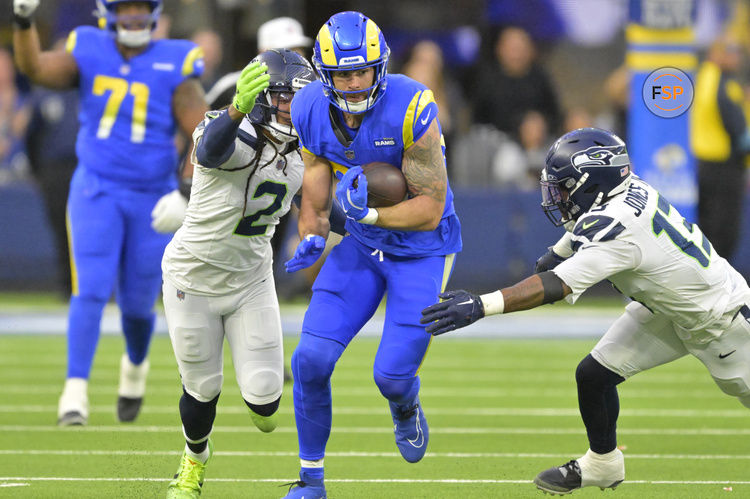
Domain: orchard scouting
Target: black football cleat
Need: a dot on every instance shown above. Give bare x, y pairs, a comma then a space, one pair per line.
560, 480
128, 408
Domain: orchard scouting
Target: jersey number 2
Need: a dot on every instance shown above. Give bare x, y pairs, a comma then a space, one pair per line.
248, 226
118, 88
688, 237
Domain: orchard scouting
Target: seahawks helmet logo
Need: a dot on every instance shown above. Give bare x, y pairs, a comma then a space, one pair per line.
600, 156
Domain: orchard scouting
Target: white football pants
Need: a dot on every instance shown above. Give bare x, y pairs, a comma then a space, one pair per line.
252, 325
639, 340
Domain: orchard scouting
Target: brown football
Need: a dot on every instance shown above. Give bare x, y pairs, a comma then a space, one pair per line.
386, 184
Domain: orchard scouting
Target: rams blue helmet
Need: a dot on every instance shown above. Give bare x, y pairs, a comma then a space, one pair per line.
289, 72
584, 168
132, 31
351, 41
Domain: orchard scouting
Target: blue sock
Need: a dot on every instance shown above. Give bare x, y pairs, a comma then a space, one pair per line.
84, 326
138, 333
313, 472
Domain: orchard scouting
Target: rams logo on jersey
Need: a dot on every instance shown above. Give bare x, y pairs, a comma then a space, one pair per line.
600, 156
385, 141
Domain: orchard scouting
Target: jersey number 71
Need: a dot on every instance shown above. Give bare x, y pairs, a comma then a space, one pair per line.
118, 89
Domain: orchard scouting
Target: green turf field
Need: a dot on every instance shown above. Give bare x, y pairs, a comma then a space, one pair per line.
499, 412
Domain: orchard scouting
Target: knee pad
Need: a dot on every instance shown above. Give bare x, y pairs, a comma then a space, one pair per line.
400, 391
202, 388
735, 387
264, 410
591, 373
259, 384
314, 359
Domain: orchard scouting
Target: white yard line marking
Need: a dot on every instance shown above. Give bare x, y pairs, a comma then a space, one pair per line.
491, 430
433, 411
14, 484
451, 455
365, 480
370, 391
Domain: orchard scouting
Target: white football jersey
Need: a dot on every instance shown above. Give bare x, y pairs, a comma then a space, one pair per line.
641, 244
224, 242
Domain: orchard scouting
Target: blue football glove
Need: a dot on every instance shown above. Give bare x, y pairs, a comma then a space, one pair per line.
352, 199
458, 309
307, 252
548, 261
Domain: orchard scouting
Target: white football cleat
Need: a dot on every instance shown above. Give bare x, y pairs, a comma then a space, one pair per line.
73, 408
132, 388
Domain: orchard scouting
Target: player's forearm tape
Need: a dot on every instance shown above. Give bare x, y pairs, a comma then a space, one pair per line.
337, 219
370, 218
185, 186
562, 247
21, 23
553, 287
493, 303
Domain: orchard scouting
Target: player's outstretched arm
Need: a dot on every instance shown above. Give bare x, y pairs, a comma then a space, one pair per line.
461, 308
426, 177
54, 69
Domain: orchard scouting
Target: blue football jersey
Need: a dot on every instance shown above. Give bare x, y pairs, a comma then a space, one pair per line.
388, 129
127, 126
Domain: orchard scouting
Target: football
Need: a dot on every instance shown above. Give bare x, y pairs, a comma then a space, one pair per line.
386, 184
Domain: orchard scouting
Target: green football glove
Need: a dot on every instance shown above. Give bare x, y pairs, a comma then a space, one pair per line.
252, 81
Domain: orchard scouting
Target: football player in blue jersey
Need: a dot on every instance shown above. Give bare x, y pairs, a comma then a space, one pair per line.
355, 114
134, 94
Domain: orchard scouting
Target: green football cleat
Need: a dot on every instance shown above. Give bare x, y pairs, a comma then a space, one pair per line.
266, 424
188, 481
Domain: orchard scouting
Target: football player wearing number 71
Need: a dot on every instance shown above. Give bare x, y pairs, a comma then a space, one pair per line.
135, 93
686, 299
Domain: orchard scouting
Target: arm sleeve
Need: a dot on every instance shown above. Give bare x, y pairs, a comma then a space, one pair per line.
217, 143
594, 263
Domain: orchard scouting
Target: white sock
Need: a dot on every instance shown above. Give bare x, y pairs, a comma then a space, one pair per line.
201, 457
601, 469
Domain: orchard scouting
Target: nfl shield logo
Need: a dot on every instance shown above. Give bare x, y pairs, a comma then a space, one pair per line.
180, 295
349, 154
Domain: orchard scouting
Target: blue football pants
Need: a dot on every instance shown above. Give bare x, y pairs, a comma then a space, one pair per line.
346, 294
113, 247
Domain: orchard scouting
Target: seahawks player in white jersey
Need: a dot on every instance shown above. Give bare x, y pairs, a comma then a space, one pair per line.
686, 298
218, 279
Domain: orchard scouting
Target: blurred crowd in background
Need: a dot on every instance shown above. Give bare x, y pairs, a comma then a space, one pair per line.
509, 76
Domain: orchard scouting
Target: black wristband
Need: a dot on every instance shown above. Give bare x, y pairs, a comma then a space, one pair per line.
186, 184
22, 23
553, 287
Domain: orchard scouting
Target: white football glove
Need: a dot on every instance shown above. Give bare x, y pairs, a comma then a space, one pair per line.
25, 8
169, 212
